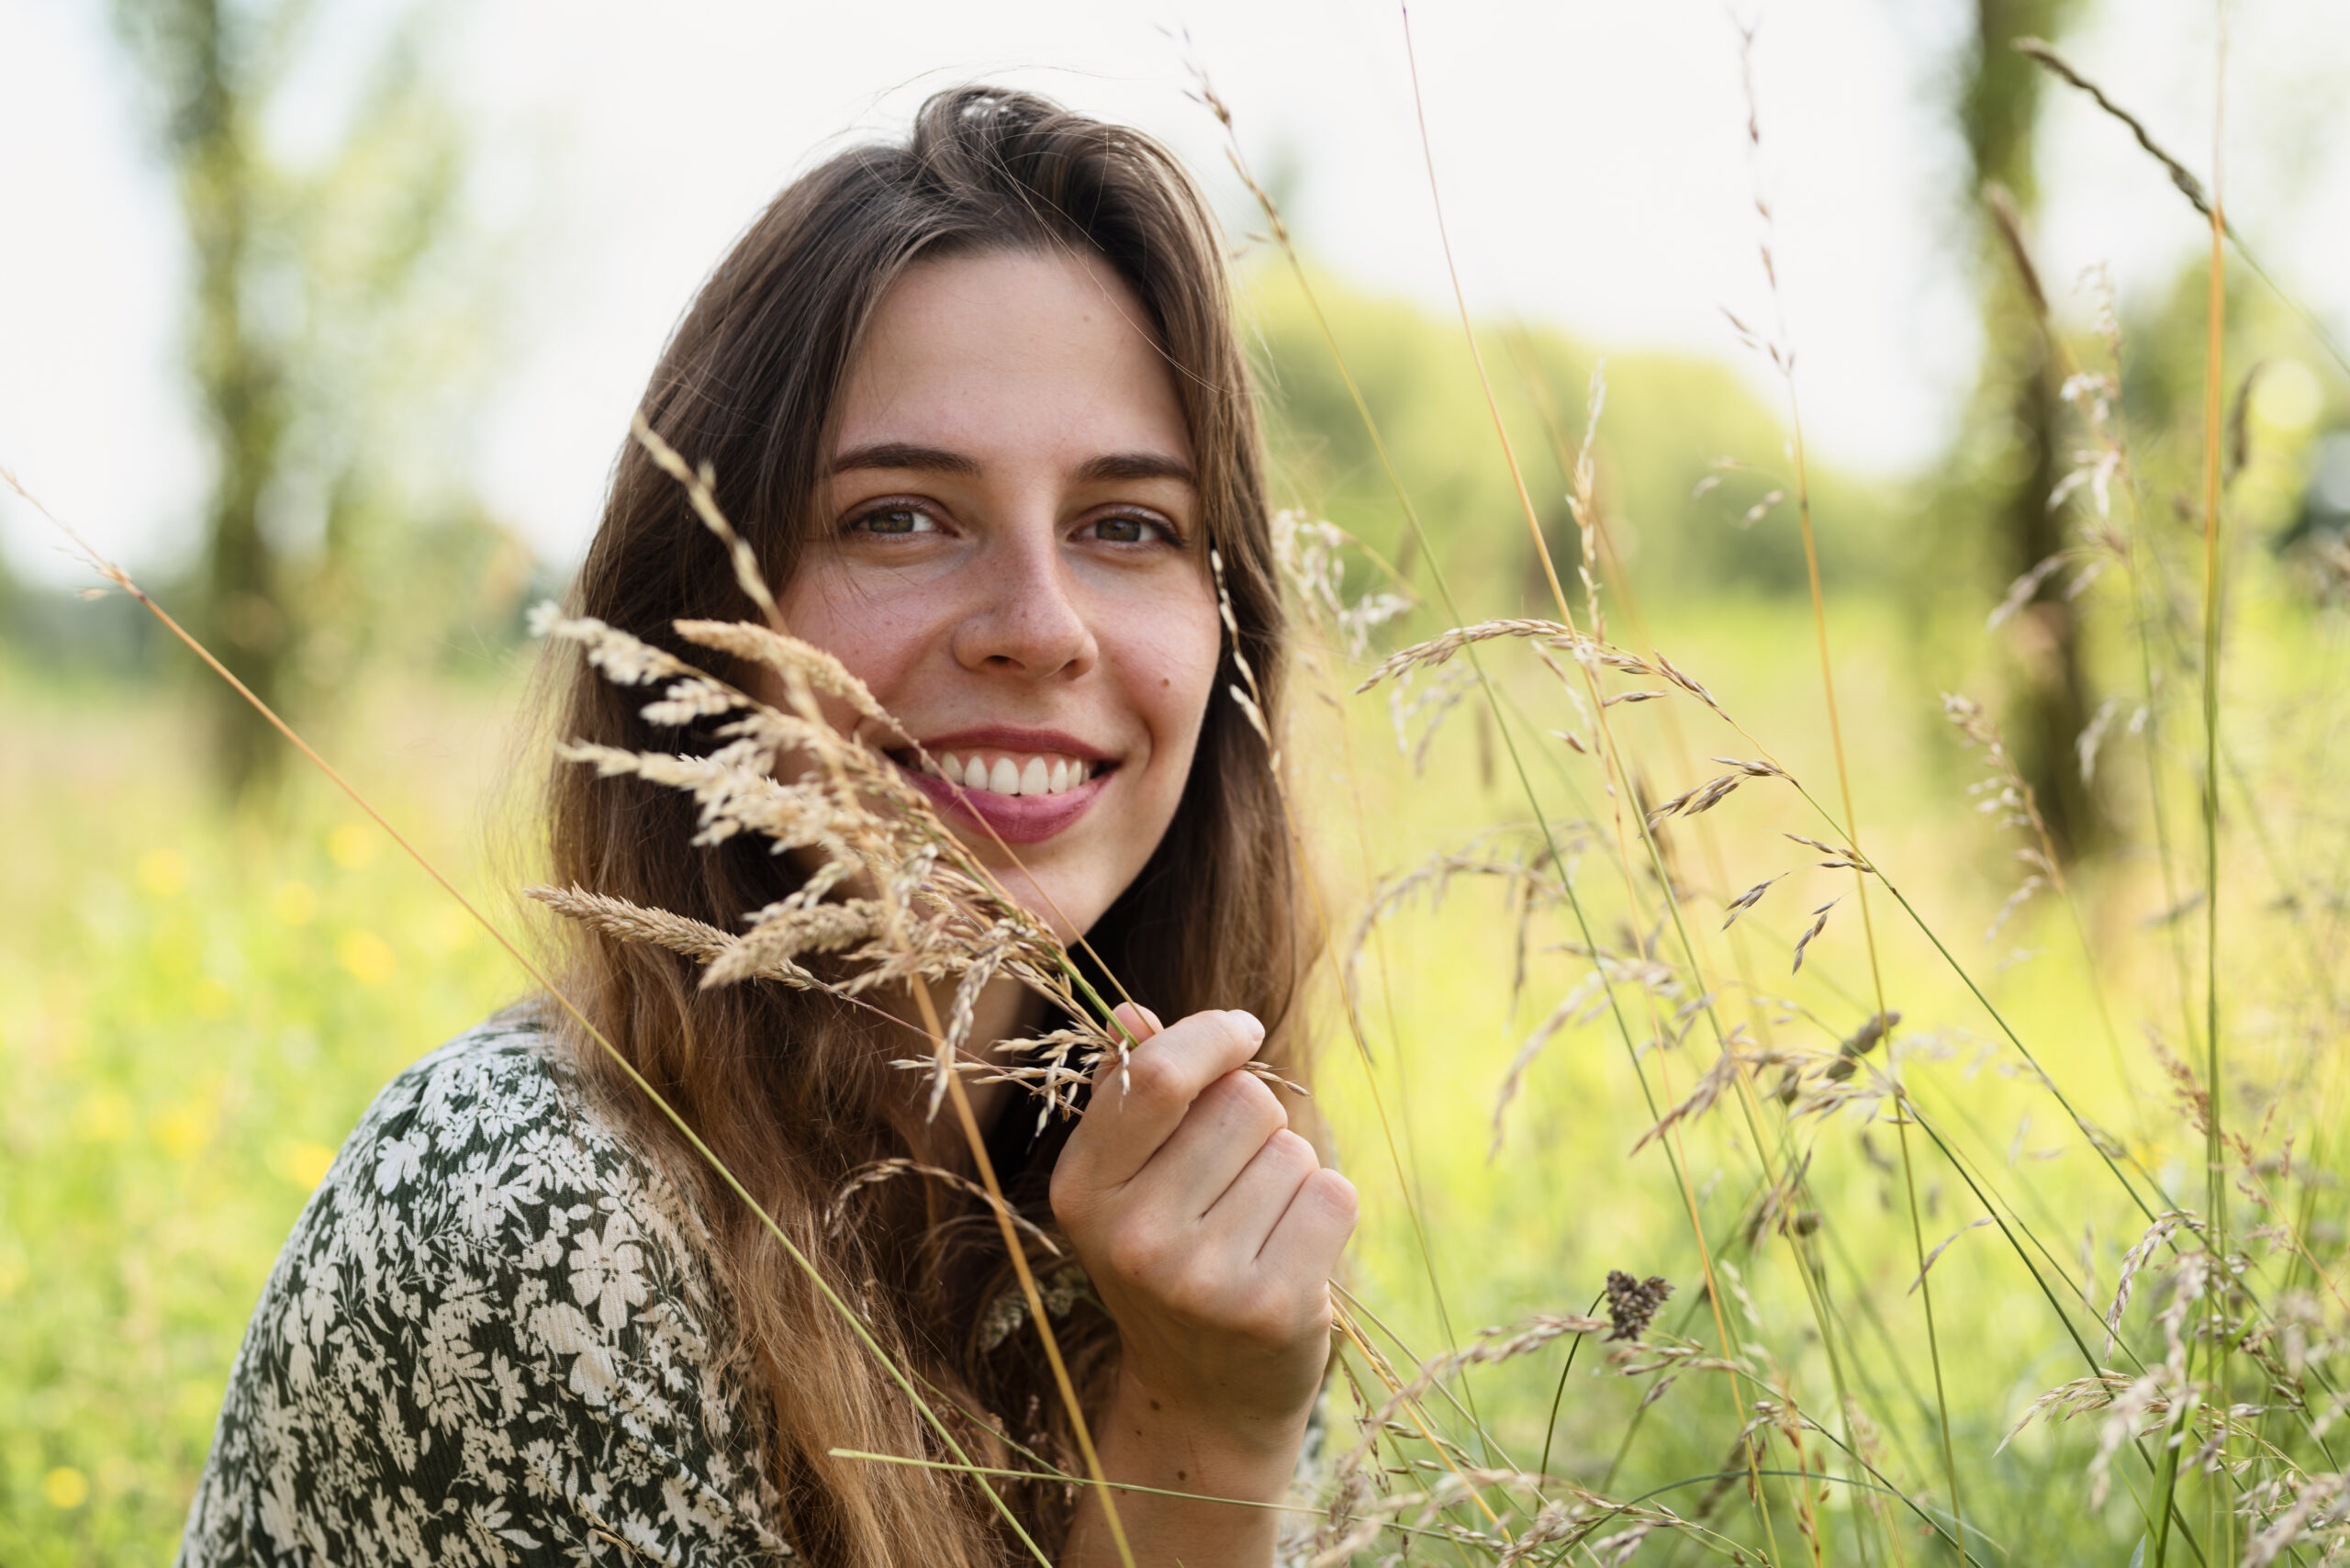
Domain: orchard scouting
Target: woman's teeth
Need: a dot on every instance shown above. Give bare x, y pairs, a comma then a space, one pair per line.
1008, 774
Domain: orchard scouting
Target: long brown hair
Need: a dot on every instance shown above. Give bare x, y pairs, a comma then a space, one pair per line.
790, 1087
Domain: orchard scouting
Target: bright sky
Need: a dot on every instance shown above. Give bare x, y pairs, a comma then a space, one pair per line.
1592, 155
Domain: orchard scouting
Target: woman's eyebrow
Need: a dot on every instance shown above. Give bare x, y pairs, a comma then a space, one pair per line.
906, 454
911, 456
1136, 466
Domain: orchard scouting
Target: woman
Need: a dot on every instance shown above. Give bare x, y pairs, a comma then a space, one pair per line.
978, 403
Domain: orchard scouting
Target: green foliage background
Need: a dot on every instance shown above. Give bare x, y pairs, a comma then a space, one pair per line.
196, 1003
1670, 425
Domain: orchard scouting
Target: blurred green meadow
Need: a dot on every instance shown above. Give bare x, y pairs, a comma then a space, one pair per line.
196, 1005
193, 1009
209, 961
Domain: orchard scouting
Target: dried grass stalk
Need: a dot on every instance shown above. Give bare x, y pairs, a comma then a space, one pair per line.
890, 893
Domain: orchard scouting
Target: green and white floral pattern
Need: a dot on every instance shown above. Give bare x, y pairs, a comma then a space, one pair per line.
489, 1340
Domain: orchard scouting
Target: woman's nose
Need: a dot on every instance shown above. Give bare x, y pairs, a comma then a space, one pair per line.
1024, 616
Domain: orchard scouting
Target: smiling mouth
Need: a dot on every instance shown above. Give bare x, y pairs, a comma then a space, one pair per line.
1012, 773
1020, 796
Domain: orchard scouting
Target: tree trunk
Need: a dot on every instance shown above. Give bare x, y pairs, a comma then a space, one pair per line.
200, 60
2048, 707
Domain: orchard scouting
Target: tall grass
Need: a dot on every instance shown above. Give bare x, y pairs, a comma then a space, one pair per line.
2204, 1400
1935, 1139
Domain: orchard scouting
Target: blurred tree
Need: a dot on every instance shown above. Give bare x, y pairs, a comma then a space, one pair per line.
204, 66
331, 331
1998, 111
1684, 525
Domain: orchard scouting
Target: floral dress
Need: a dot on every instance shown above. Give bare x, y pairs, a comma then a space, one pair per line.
489, 1340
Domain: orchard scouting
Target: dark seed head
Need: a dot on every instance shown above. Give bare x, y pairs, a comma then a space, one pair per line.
1632, 1303
1870, 1034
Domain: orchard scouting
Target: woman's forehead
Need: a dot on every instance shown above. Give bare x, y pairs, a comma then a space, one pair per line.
1013, 356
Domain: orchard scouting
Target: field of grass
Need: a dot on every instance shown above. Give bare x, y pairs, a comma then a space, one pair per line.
193, 1013
2002, 1202
195, 1008
1817, 1214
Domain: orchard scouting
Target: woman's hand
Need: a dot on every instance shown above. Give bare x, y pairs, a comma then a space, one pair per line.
1210, 1231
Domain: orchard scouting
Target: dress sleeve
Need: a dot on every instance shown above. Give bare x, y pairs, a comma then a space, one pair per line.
487, 1341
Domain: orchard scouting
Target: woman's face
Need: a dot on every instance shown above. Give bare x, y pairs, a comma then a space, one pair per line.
1016, 566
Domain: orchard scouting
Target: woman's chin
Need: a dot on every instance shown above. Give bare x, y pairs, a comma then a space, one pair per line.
1067, 912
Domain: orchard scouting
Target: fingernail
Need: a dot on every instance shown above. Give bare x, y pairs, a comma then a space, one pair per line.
1248, 1025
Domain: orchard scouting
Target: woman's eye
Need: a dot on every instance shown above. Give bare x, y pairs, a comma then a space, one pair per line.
894, 521
1129, 531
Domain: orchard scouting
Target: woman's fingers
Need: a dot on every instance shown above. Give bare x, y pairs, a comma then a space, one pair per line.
1245, 1212
1227, 1126
1137, 1105
1260, 1261
1285, 1213
1312, 1232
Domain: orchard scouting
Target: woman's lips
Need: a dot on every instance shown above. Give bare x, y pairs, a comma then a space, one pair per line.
1016, 819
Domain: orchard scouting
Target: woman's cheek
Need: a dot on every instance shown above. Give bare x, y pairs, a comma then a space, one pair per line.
875, 629
1177, 674
1179, 641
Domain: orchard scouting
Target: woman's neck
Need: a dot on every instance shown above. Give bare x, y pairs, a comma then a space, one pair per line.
1006, 1010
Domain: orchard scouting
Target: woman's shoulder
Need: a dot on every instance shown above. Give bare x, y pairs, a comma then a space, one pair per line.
502, 1096
492, 1335
489, 1151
